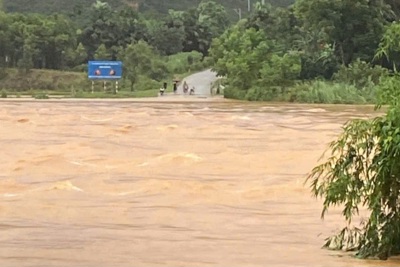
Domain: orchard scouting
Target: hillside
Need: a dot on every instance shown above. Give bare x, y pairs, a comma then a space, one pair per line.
152, 6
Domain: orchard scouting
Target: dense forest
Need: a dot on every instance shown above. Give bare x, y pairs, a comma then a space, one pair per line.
149, 7
318, 51
157, 48
338, 51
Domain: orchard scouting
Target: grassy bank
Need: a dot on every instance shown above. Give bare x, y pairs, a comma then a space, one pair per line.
45, 94
318, 92
43, 84
22, 81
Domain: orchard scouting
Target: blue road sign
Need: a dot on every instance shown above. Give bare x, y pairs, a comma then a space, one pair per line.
104, 70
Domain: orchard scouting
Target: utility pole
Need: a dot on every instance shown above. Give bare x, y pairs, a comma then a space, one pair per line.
239, 12
248, 5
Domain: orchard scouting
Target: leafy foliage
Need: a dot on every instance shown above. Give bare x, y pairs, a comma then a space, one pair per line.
149, 7
352, 26
330, 93
363, 171
360, 74
237, 53
185, 62
141, 61
389, 93
389, 47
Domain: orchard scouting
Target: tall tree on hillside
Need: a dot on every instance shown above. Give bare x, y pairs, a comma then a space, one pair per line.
200, 25
5, 39
114, 29
240, 54
279, 24
389, 48
25, 63
56, 34
167, 40
138, 61
213, 16
75, 56
102, 53
49, 38
354, 27
394, 12
98, 31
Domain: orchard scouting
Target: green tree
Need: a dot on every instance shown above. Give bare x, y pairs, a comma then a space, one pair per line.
113, 28
102, 53
54, 36
76, 57
100, 29
200, 25
167, 40
279, 24
353, 27
363, 171
394, 12
26, 62
5, 39
240, 54
280, 70
140, 60
213, 16
389, 47
49, 36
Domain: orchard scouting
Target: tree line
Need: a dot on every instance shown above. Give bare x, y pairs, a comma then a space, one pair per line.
56, 42
301, 53
151, 48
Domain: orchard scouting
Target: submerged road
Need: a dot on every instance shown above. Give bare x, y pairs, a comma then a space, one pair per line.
202, 81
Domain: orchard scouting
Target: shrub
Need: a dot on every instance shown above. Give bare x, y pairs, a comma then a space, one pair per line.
326, 92
362, 171
42, 95
234, 93
360, 74
271, 93
388, 90
185, 62
145, 83
3, 94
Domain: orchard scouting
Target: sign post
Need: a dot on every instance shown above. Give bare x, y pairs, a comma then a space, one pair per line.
105, 71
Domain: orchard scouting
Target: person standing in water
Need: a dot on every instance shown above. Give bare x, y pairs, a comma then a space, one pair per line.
175, 86
192, 90
185, 87
162, 89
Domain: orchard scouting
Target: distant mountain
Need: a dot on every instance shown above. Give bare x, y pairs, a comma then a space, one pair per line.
148, 6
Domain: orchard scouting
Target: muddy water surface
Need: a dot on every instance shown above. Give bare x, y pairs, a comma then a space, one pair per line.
114, 183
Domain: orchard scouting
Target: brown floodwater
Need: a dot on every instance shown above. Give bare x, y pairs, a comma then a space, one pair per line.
165, 183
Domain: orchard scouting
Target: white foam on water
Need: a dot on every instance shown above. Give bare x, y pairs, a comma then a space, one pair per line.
178, 157
10, 195
78, 163
246, 118
66, 185
317, 110
97, 120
